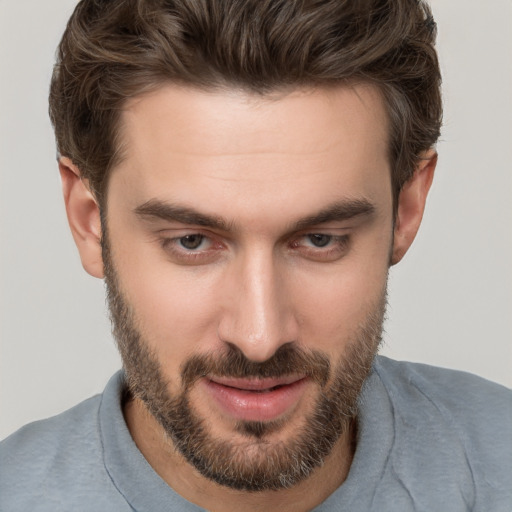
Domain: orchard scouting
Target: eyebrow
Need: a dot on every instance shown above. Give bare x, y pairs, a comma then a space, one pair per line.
157, 209
336, 212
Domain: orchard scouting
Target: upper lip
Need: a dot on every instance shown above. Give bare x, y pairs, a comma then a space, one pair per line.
255, 384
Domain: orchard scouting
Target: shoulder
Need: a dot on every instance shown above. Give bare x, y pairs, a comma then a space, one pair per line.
41, 439
36, 455
454, 393
57, 463
457, 424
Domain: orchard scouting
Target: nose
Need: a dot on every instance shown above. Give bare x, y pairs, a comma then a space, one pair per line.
258, 316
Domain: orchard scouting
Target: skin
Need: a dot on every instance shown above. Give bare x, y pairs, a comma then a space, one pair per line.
262, 165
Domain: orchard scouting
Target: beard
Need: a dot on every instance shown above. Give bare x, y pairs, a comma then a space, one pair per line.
254, 462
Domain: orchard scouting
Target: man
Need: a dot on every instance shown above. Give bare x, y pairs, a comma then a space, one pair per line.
243, 174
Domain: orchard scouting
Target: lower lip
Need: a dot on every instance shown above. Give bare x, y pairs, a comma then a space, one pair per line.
256, 406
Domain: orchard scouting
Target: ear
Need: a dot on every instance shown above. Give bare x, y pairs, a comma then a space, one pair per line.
83, 216
411, 204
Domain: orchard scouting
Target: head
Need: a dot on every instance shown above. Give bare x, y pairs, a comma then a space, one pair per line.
242, 173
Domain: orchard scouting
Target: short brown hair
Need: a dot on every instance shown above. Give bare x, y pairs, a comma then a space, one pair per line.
113, 50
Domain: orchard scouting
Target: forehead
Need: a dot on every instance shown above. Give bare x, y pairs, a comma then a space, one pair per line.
214, 122
182, 143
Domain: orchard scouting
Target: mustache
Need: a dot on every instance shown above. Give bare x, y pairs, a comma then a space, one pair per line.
288, 359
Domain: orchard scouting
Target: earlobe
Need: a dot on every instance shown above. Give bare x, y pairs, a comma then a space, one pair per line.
83, 216
411, 205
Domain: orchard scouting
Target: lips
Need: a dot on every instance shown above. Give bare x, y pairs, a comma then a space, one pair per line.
256, 399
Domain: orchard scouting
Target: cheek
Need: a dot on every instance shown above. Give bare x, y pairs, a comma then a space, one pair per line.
333, 306
174, 307
182, 318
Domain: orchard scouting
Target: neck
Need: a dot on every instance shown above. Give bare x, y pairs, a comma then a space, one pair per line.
169, 464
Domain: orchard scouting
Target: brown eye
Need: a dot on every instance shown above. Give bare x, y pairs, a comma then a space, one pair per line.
191, 242
319, 240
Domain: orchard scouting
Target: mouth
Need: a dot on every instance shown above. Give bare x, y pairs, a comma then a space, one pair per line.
256, 399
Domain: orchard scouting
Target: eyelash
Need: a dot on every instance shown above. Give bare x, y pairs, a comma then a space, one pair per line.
170, 245
336, 247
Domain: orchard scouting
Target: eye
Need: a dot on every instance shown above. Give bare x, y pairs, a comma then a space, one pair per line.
322, 247
191, 248
319, 240
191, 242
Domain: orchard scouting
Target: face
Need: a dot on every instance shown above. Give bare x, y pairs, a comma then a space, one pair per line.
247, 243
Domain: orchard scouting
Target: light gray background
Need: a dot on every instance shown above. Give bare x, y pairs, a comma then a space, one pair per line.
450, 299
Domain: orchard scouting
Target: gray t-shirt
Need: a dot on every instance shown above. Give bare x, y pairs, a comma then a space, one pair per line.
429, 440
